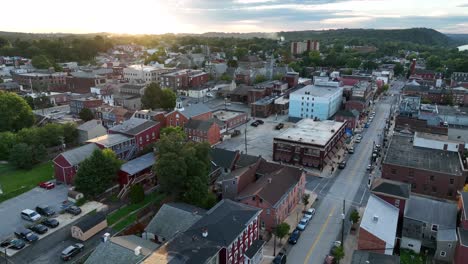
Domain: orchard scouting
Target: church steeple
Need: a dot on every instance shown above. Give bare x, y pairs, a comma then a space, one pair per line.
179, 105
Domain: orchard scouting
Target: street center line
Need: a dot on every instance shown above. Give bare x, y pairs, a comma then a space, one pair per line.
317, 239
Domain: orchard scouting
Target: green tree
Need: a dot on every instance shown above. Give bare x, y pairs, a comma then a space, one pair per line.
433, 62
42, 62
240, 52
385, 87
353, 63
354, 216
70, 133
338, 253
314, 57
22, 156
137, 193
173, 130
260, 78
168, 99
399, 69
225, 77
97, 173
369, 65
305, 199
15, 113
151, 99
448, 99
7, 141
277, 76
86, 114
232, 63
282, 230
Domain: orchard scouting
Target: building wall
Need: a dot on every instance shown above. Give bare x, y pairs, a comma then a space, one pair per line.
204, 116
419, 125
411, 243
447, 247
435, 184
436, 144
82, 85
83, 236
461, 254
398, 203
149, 136
198, 80
369, 242
176, 119
241, 244
63, 171
356, 105
306, 106
351, 122
77, 105
97, 131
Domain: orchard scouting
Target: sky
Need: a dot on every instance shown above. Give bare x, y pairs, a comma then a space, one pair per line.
198, 16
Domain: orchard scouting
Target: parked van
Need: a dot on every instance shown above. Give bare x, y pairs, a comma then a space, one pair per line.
30, 215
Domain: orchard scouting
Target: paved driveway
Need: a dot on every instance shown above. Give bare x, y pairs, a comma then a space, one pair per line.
10, 209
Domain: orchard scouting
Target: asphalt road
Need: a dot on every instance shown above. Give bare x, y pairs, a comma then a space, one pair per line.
350, 184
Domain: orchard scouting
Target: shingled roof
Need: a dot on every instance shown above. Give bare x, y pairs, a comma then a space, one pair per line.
393, 188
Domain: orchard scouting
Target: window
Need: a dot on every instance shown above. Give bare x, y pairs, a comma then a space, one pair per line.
435, 228
432, 178
452, 181
410, 245
261, 200
397, 203
450, 193
413, 185
234, 182
393, 171
268, 211
253, 198
449, 245
434, 189
443, 253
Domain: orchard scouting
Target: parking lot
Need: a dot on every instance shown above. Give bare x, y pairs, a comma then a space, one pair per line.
259, 139
10, 209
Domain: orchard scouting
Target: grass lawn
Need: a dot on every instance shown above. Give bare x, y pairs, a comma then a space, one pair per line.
128, 209
409, 257
15, 182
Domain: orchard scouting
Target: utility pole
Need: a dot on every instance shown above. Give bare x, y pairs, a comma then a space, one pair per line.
342, 223
245, 138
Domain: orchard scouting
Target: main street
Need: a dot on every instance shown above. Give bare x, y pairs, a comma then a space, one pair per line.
349, 184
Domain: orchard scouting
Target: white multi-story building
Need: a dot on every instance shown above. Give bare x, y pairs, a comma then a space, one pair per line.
143, 73
319, 101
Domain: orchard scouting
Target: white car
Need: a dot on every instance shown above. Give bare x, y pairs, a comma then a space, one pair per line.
30, 215
209, 95
302, 224
358, 140
309, 213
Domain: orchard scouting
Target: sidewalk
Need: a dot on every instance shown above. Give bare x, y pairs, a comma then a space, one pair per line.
292, 220
351, 241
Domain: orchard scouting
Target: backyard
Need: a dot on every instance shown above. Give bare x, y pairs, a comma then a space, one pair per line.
409, 257
127, 214
14, 182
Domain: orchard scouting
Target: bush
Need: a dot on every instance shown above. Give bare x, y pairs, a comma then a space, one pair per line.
21, 156
354, 216
81, 201
137, 194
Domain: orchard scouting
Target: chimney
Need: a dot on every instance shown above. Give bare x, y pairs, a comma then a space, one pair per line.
204, 232
375, 219
269, 180
137, 251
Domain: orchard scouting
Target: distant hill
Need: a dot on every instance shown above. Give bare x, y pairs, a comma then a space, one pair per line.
461, 38
424, 36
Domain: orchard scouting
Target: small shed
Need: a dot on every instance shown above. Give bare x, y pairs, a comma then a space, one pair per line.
74, 196
88, 227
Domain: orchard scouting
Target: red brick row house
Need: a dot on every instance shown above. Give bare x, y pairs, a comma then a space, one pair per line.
461, 251
203, 131
144, 132
227, 233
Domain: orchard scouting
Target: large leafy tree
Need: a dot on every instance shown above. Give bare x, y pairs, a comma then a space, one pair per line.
97, 173
7, 141
15, 113
282, 230
21, 156
182, 169
86, 114
168, 99
152, 96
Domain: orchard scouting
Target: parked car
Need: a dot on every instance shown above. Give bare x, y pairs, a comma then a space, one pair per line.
294, 237
260, 121
47, 185
280, 258
30, 215
13, 243
303, 223
370, 167
351, 150
209, 95
74, 210
45, 210
72, 251
342, 165
357, 140
366, 125
309, 213
254, 124
279, 126
39, 228
27, 235
378, 146
50, 222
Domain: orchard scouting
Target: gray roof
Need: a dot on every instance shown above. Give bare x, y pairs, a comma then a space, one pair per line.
90, 125
401, 152
386, 226
109, 140
174, 218
136, 165
133, 126
393, 188
223, 158
464, 198
90, 221
447, 235
121, 250
203, 125
246, 160
318, 90
254, 248
195, 110
77, 155
368, 257
432, 211
224, 222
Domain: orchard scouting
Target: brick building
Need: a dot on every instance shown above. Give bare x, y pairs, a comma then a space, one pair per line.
393, 192
41, 81
180, 116
144, 132
66, 163
81, 82
351, 117
203, 131
76, 105
299, 47
378, 228
461, 251
230, 118
291, 78
310, 143
432, 172
459, 79
123, 146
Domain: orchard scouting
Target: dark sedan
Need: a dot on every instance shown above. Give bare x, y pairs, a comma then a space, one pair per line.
294, 236
74, 210
40, 229
50, 222
27, 235
13, 243
45, 210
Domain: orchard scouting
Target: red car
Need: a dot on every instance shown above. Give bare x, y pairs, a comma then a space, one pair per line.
47, 185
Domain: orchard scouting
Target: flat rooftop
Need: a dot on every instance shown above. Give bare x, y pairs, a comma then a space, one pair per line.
226, 114
318, 90
109, 140
311, 132
401, 152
